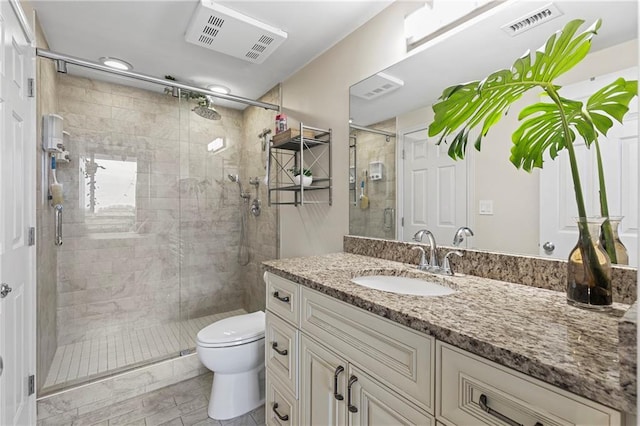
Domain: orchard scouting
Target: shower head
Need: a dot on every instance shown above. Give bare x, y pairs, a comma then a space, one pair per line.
233, 178
206, 110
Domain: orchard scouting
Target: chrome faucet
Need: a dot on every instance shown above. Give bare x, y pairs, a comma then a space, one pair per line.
433, 257
458, 238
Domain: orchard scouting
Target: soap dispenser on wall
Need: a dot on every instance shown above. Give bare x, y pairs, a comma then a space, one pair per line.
52, 133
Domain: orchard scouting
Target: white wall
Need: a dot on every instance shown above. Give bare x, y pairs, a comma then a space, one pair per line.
319, 96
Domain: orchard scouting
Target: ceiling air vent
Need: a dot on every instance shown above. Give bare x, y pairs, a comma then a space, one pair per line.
376, 86
226, 31
531, 20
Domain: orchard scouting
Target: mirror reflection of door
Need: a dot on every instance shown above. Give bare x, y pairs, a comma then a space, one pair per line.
434, 188
558, 231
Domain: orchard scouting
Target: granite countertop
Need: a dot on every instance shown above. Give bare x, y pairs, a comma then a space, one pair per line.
529, 329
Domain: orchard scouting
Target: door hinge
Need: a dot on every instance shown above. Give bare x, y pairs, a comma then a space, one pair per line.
402, 222
31, 88
32, 384
403, 154
32, 236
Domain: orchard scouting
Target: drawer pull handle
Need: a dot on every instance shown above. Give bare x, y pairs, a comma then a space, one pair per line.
280, 416
284, 299
485, 407
274, 346
352, 408
336, 395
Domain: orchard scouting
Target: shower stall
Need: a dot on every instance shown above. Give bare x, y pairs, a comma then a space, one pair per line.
151, 225
372, 178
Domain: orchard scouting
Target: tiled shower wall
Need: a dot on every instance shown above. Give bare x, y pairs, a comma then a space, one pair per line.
175, 260
46, 253
262, 232
377, 220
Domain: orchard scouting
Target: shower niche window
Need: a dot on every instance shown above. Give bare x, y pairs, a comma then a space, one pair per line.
109, 193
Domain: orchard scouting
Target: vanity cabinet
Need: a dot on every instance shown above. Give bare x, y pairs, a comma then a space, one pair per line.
474, 390
353, 367
335, 392
330, 363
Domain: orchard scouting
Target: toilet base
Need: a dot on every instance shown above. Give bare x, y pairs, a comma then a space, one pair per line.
233, 395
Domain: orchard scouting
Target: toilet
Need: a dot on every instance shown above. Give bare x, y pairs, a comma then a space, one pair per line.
233, 348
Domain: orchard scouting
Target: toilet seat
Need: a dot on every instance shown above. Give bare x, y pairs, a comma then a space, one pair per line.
232, 331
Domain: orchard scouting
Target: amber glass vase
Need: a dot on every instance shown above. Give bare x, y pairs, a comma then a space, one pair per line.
589, 268
622, 256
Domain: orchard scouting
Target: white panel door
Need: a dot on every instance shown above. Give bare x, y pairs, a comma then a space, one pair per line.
17, 192
434, 188
619, 155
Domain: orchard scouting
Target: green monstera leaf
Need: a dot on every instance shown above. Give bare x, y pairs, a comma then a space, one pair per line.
466, 106
542, 129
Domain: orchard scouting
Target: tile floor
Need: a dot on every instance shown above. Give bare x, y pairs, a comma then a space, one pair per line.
182, 404
89, 359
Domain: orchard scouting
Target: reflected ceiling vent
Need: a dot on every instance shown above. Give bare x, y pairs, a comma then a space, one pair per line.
531, 20
375, 86
224, 30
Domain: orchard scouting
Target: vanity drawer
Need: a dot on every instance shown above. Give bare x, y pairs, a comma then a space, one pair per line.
283, 297
465, 380
281, 407
281, 351
398, 357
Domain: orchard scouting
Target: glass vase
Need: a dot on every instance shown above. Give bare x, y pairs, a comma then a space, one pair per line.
589, 268
622, 256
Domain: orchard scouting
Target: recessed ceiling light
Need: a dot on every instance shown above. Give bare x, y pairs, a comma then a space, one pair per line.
219, 89
116, 63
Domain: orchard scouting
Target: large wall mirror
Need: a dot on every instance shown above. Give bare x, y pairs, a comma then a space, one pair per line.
400, 181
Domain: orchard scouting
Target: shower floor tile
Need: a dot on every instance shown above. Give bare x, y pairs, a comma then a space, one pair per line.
89, 359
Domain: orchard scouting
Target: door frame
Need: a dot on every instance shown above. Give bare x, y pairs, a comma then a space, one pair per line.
470, 159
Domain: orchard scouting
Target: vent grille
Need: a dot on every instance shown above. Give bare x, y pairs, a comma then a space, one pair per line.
224, 30
375, 86
215, 21
265, 40
532, 20
205, 39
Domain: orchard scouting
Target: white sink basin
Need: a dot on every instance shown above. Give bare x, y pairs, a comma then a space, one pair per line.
403, 285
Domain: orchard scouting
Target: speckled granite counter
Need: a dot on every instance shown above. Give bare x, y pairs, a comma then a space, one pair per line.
529, 329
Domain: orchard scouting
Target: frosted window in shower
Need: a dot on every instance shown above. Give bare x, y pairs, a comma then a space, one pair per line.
109, 200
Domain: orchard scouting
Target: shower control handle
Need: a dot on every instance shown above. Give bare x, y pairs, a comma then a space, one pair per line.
284, 299
274, 346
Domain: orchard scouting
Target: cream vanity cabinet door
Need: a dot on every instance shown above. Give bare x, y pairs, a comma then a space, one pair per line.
281, 407
473, 390
370, 403
322, 385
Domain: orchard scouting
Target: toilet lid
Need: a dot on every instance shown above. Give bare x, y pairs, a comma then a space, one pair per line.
233, 331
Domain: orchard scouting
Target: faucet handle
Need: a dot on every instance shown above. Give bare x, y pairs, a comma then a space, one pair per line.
446, 267
423, 265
